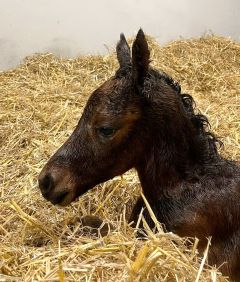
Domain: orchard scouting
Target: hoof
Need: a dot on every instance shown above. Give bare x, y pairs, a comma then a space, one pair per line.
93, 225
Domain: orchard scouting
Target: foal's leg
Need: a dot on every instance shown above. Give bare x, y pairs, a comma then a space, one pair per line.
141, 232
136, 211
93, 225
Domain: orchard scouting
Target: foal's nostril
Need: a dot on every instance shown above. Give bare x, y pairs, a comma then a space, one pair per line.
46, 183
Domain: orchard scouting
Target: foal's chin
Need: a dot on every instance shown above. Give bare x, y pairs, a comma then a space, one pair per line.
64, 199
70, 196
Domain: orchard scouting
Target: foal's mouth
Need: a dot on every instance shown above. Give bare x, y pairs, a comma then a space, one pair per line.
66, 195
60, 198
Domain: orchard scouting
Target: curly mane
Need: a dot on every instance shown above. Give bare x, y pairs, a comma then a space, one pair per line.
199, 121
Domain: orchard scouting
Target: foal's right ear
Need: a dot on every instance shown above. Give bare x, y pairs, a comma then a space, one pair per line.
123, 52
140, 58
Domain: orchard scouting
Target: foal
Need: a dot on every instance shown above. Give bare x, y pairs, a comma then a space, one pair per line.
139, 118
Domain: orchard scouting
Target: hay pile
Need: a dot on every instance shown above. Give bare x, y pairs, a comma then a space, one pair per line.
40, 103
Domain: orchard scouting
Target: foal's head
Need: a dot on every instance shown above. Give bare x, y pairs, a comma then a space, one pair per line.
120, 123
107, 140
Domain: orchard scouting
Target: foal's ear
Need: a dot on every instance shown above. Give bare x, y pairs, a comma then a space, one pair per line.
140, 58
123, 52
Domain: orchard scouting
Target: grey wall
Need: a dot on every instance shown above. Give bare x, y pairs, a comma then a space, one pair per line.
72, 27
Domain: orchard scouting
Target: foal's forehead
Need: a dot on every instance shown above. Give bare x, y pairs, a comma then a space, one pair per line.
109, 88
114, 92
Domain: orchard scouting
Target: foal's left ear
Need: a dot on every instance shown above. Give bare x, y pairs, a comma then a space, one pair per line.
123, 52
140, 58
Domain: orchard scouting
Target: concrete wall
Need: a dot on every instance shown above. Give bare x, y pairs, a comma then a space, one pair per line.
72, 27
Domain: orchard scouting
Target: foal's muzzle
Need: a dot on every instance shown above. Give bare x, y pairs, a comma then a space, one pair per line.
56, 187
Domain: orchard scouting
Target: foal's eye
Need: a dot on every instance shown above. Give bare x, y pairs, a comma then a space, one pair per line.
106, 131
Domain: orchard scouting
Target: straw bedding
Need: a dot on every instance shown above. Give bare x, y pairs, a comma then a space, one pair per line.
40, 103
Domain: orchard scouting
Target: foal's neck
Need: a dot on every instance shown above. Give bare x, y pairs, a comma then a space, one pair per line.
177, 153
